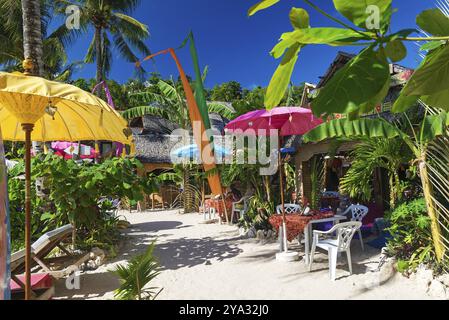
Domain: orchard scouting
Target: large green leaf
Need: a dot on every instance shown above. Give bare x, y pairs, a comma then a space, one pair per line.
437, 100
358, 11
329, 36
345, 128
264, 4
281, 78
358, 82
431, 45
396, 50
375, 101
434, 22
299, 18
404, 102
432, 76
434, 126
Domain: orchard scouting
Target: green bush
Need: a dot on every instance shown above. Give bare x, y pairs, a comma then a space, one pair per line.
72, 196
411, 240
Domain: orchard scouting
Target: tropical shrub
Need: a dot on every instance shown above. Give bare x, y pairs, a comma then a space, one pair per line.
369, 155
73, 193
136, 275
258, 214
411, 240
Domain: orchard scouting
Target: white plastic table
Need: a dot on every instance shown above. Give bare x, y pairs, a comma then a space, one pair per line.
308, 233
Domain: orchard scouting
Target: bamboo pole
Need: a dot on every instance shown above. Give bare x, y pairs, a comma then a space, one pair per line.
28, 128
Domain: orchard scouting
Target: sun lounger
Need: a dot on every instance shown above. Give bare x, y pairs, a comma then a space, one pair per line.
41, 285
39, 251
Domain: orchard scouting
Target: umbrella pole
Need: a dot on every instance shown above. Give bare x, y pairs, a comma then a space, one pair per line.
281, 186
28, 128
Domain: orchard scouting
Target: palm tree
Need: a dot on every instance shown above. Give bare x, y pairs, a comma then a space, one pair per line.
109, 19
32, 37
12, 42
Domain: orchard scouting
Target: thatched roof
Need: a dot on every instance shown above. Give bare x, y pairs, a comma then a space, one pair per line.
155, 148
154, 141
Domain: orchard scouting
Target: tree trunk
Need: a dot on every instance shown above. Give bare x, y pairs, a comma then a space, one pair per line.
32, 37
99, 52
433, 214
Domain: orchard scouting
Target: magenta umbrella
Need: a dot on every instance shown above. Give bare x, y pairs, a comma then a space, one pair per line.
286, 121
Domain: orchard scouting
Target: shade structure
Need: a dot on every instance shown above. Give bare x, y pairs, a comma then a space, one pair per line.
192, 151
32, 108
288, 121
284, 121
59, 112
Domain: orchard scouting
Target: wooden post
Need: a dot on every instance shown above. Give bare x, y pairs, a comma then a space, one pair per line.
28, 128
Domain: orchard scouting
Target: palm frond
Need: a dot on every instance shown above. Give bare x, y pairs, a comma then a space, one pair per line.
168, 90
142, 111
147, 97
222, 109
91, 52
135, 277
130, 27
124, 48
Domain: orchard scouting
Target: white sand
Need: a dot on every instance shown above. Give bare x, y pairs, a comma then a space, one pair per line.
210, 261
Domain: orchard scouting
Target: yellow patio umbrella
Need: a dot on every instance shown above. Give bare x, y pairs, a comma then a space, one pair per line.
35, 109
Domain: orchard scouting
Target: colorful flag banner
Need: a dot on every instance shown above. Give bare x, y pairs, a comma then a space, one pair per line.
196, 119
199, 86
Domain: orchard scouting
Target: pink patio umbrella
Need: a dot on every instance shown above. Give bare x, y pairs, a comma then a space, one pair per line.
287, 121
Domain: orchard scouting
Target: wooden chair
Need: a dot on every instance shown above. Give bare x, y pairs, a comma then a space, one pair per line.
157, 202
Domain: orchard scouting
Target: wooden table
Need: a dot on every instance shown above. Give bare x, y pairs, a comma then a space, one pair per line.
308, 233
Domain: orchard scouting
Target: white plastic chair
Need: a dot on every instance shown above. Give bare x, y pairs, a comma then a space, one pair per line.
240, 211
289, 208
358, 213
342, 243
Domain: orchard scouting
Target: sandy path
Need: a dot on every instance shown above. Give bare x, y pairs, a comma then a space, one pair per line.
202, 261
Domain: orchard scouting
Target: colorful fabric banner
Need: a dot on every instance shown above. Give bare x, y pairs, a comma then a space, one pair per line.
5, 246
199, 86
119, 147
196, 118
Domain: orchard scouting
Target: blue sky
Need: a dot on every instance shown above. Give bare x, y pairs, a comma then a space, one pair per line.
233, 45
